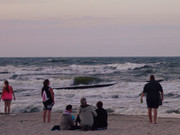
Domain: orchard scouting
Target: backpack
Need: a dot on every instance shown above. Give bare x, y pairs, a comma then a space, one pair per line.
47, 99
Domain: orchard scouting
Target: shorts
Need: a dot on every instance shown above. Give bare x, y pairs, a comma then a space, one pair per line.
48, 106
6, 100
153, 103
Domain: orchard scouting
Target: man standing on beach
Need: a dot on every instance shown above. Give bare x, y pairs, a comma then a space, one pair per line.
152, 90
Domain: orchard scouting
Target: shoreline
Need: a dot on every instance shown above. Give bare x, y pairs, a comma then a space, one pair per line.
174, 115
31, 123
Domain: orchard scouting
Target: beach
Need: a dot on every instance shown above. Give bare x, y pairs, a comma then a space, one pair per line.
31, 124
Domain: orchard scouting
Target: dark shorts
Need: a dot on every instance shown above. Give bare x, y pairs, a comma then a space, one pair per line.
6, 100
48, 106
153, 103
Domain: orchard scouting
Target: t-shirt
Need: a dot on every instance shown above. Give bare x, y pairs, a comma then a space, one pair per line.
101, 119
7, 95
152, 90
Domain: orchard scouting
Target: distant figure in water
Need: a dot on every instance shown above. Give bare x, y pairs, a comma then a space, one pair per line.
48, 100
101, 119
6, 96
153, 89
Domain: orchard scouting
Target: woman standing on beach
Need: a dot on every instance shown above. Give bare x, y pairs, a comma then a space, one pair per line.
6, 96
48, 100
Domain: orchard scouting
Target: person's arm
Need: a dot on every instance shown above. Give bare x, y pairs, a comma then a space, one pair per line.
77, 116
41, 93
162, 96
13, 93
71, 122
1, 94
142, 94
161, 91
52, 95
94, 112
141, 99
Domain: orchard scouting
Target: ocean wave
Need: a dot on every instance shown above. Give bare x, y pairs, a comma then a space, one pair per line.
73, 69
56, 60
27, 109
104, 69
172, 95
177, 111
86, 80
5, 72
143, 67
128, 66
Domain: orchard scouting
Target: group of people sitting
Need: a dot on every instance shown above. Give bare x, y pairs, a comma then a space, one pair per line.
87, 118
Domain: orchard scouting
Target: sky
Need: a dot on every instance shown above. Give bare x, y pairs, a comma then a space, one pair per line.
89, 28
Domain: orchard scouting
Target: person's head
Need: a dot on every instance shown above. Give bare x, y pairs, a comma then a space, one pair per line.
99, 104
6, 83
83, 101
46, 83
152, 78
69, 108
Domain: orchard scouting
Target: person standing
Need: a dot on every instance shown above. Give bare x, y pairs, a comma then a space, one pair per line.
153, 89
6, 96
48, 100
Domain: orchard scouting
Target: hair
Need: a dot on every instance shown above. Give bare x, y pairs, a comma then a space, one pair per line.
99, 104
68, 107
83, 101
152, 78
46, 82
7, 84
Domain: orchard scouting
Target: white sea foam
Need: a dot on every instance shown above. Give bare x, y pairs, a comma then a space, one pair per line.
122, 98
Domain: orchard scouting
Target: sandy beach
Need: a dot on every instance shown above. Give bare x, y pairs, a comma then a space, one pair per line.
31, 124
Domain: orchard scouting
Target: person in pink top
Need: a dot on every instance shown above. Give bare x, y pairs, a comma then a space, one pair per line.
6, 96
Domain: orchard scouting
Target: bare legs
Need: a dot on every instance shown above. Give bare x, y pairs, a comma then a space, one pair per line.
7, 105
155, 115
48, 114
150, 115
44, 115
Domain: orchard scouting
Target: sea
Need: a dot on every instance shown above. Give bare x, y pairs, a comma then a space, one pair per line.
129, 75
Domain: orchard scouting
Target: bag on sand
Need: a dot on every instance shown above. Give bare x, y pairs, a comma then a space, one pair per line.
57, 127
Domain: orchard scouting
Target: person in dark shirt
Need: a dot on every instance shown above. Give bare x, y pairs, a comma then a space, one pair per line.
101, 119
152, 89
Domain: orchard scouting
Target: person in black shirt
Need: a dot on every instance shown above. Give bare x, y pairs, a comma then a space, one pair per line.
101, 119
152, 90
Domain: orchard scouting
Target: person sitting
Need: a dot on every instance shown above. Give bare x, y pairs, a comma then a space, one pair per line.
67, 122
101, 119
86, 115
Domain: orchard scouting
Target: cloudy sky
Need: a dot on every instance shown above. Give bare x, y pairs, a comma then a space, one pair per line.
60, 28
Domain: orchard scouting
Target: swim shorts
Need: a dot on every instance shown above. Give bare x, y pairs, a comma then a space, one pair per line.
153, 103
48, 106
6, 100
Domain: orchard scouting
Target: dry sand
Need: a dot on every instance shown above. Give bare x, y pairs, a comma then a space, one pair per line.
31, 124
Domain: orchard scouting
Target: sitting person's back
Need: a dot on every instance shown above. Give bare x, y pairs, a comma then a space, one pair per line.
86, 114
66, 119
101, 119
